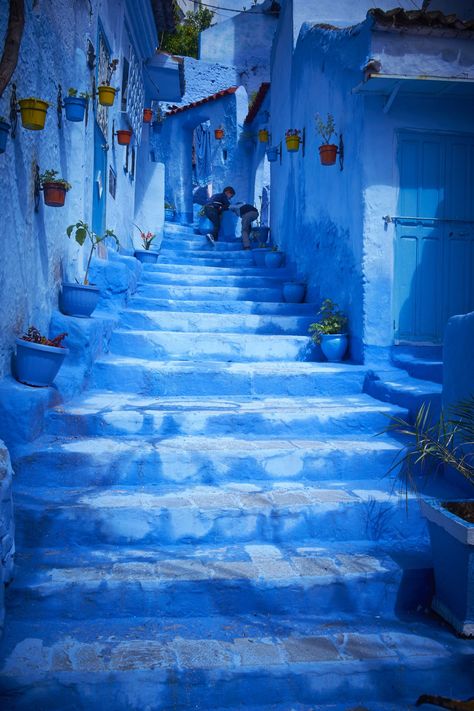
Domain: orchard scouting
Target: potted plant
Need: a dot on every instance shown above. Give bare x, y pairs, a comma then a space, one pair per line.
105, 91
158, 120
274, 258
4, 129
146, 254
219, 133
77, 299
75, 105
38, 358
54, 188
446, 444
147, 115
330, 331
328, 150
259, 252
294, 292
272, 153
124, 136
170, 211
263, 135
33, 113
293, 139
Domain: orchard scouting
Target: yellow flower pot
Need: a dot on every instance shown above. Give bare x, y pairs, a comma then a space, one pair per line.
106, 95
263, 135
292, 143
33, 113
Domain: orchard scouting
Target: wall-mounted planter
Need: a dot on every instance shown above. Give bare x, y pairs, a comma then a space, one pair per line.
78, 299
328, 154
273, 260
170, 214
292, 143
272, 153
263, 136
33, 113
36, 364
54, 194
219, 134
124, 136
334, 346
106, 95
4, 129
147, 115
259, 254
75, 108
294, 292
146, 256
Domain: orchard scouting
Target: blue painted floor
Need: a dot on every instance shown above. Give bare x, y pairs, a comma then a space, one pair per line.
208, 526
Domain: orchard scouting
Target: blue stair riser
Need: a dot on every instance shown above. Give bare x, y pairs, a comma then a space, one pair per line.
212, 293
206, 323
199, 245
218, 379
221, 307
411, 398
161, 267
418, 368
211, 346
225, 280
208, 259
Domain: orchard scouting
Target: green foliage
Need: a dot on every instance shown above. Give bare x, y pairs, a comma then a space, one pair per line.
34, 336
447, 442
185, 40
72, 93
325, 129
82, 232
50, 176
332, 321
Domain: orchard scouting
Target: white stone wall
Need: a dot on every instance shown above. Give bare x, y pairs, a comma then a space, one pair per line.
7, 546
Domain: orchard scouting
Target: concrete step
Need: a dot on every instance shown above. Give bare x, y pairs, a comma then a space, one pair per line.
162, 664
332, 580
229, 513
200, 269
149, 303
422, 368
209, 280
209, 258
398, 388
181, 321
211, 293
151, 377
229, 347
198, 243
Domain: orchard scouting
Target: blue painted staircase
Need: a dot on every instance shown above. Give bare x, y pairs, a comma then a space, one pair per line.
209, 525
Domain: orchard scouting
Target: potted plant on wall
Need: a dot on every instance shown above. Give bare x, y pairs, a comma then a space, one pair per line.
75, 105
446, 445
326, 129
124, 136
147, 115
263, 135
146, 254
330, 331
219, 133
38, 358
272, 153
54, 188
33, 113
105, 90
4, 129
77, 299
293, 139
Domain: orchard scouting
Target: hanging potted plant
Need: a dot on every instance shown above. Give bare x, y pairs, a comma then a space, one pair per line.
33, 113
78, 299
105, 91
38, 358
263, 135
330, 331
75, 105
4, 129
328, 150
124, 136
274, 258
146, 254
147, 115
294, 292
293, 139
272, 153
54, 188
219, 133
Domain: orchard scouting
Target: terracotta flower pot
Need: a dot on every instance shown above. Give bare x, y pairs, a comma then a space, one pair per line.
33, 113
292, 143
147, 115
124, 137
328, 154
54, 194
106, 95
219, 134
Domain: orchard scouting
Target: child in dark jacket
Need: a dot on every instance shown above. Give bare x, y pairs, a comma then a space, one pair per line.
214, 209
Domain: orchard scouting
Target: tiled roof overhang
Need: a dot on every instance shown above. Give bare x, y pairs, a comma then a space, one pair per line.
399, 19
172, 110
254, 108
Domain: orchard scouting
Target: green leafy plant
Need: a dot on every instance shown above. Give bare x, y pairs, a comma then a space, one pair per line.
34, 336
185, 39
146, 237
82, 232
332, 321
71, 92
326, 129
169, 206
50, 176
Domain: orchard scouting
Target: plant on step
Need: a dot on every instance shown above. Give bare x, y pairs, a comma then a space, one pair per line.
83, 232
170, 206
326, 129
332, 321
34, 336
146, 237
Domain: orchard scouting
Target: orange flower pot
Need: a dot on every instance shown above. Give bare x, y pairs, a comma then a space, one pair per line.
147, 115
106, 95
263, 135
33, 113
292, 143
124, 137
54, 194
219, 134
328, 154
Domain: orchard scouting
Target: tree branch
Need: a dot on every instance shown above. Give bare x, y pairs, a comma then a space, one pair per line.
16, 23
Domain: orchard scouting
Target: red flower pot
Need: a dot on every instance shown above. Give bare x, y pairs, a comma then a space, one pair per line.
124, 137
147, 115
328, 154
54, 194
219, 133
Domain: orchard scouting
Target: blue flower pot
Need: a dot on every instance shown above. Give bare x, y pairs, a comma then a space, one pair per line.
78, 299
169, 214
273, 260
258, 256
36, 364
272, 153
75, 108
4, 129
260, 234
294, 292
146, 256
334, 346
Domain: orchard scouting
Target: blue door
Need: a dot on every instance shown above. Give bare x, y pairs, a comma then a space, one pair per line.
434, 247
100, 181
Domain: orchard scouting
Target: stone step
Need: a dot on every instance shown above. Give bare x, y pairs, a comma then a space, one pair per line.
209, 259
234, 512
198, 243
211, 293
181, 321
421, 368
333, 581
199, 269
148, 303
399, 388
229, 347
209, 280
163, 664
151, 377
